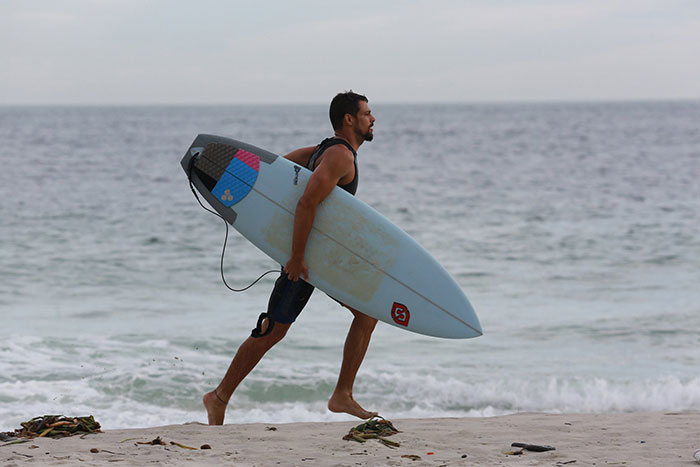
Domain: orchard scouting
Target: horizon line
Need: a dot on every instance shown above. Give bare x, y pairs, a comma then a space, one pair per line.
601, 100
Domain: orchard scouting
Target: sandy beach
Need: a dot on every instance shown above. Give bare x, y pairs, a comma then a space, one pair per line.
639, 439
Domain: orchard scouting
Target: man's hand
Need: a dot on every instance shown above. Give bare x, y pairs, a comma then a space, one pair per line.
295, 268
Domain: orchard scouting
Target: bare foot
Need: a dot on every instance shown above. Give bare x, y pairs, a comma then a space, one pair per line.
346, 404
216, 410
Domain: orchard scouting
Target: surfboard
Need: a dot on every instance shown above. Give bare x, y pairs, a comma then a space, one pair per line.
354, 253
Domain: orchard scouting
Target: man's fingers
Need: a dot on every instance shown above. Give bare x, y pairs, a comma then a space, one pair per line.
296, 271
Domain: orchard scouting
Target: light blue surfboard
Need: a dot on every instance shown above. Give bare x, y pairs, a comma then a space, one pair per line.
353, 253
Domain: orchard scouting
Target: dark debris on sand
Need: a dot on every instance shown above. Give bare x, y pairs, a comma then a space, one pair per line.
56, 426
375, 428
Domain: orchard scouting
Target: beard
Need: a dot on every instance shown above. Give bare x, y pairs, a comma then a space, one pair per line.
369, 135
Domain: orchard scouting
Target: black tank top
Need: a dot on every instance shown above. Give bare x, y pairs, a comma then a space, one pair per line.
325, 144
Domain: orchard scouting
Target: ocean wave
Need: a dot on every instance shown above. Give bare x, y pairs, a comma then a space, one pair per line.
124, 398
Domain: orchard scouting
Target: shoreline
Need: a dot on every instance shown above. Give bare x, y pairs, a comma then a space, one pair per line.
628, 439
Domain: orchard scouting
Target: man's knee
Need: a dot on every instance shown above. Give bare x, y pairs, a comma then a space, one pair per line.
270, 332
361, 319
367, 322
279, 331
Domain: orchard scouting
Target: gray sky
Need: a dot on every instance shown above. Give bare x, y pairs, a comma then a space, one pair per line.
215, 51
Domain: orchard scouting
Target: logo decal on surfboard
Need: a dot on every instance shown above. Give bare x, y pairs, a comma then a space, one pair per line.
227, 196
400, 314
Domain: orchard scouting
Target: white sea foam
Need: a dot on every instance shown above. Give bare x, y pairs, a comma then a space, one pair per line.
169, 391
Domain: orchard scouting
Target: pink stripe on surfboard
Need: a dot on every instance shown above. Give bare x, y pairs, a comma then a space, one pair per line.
250, 159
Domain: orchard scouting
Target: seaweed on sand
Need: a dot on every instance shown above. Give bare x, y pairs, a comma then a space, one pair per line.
57, 426
375, 428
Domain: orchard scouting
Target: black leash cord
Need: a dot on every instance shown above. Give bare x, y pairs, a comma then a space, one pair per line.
223, 250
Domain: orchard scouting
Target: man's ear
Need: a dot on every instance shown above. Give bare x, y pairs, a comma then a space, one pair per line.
348, 119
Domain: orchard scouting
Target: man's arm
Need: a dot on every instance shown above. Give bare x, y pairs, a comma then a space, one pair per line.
337, 162
301, 156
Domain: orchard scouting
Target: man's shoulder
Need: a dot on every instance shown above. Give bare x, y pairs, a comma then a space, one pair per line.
337, 159
340, 152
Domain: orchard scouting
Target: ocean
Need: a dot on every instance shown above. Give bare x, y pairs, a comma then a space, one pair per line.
572, 227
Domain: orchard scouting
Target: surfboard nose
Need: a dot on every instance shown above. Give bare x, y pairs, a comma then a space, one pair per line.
457, 319
469, 323
476, 325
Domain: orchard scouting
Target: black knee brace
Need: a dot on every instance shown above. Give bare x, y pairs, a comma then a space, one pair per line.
257, 332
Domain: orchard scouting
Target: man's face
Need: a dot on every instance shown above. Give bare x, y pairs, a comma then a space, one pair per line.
364, 121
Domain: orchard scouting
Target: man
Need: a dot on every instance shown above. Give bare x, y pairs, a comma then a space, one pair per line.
333, 163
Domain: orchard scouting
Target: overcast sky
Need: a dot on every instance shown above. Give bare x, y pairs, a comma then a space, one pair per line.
209, 51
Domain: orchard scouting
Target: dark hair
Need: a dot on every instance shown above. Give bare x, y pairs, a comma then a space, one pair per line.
344, 103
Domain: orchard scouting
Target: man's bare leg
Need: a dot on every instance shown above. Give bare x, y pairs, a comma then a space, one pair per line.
354, 351
249, 354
